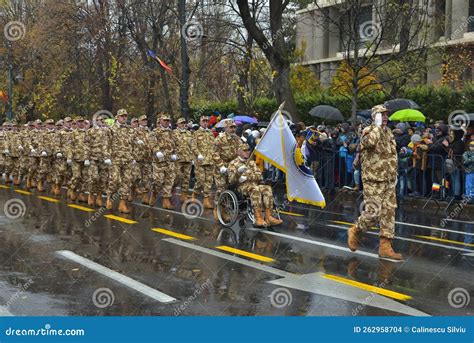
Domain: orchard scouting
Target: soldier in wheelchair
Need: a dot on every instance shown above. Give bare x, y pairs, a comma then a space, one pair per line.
245, 177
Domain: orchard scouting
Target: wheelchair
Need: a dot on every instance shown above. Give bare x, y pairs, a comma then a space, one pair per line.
233, 207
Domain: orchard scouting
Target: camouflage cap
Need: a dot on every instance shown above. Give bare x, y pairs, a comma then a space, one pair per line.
38, 121
134, 119
204, 118
165, 116
59, 122
143, 117
244, 147
49, 121
6, 123
121, 112
67, 119
181, 121
379, 108
30, 123
78, 119
229, 123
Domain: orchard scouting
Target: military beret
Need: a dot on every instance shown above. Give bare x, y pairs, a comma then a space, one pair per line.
121, 112
181, 120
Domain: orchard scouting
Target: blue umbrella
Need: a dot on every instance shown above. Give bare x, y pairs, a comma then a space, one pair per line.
246, 119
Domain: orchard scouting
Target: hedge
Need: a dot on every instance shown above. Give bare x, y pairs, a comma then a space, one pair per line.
436, 102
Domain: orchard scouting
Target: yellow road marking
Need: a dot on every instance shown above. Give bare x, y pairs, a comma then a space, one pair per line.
174, 234
370, 288
292, 214
245, 253
22, 191
5, 187
347, 223
48, 199
445, 240
120, 219
82, 208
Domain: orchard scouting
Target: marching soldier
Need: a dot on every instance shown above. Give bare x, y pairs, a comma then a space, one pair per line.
143, 156
120, 171
97, 151
163, 147
33, 154
59, 165
45, 149
203, 148
378, 154
247, 176
183, 139
75, 154
66, 140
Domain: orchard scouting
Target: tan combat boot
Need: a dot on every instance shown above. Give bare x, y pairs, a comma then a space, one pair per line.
40, 186
183, 197
109, 204
98, 200
270, 219
152, 199
146, 198
57, 190
258, 217
82, 197
207, 203
123, 208
16, 181
194, 197
7, 179
166, 204
28, 183
386, 250
73, 195
353, 238
91, 200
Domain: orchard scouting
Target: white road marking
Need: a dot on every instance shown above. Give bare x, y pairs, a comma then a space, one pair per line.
120, 278
312, 283
4, 312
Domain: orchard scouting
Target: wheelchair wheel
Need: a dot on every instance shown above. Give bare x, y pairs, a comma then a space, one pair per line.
227, 208
250, 214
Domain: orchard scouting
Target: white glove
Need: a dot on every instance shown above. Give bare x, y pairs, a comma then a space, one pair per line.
160, 155
242, 179
20, 148
87, 163
242, 169
223, 170
174, 157
134, 162
33, 151
69, 161
200, 157
6, 151
378, 119
140, 142
59, 155
108, 162
44, 153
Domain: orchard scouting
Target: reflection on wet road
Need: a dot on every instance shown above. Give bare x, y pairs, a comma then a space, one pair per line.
69, 259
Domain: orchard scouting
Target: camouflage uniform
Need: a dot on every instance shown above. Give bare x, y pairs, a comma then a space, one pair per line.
75, 153
379, 173
203, 144
24, 138
162, 140
3, 142
184, 164
33, 156
11, 158
97, 150
143, 157
45, 151
59, 165
226, 146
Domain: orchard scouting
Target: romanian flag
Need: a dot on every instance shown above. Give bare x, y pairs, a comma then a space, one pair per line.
163, 64
435, 187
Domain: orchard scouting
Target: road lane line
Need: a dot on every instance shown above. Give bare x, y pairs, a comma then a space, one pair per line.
23, 192
4, 187
82, 208
245, 253
367, 287
292, 214
48, 199
120, 278
174, 234
120, 219
445, 240
350, 224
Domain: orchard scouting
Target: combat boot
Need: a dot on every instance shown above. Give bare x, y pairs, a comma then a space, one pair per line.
123, 208
166, 204
194, 197
146, 199
73, 195
17, 181
82, 197
109, 204
91, 200
386, 250
270, 219
57, 190
7, 179
40, 186
98, 200
183, 197
207, 203
152, 199
258, 217
28, 183
353, 238
33, 183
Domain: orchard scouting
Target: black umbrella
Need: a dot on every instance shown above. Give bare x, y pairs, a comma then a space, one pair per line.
400, 104
327, 112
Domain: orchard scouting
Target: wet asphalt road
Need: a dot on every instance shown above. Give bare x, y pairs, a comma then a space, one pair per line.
63, 260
